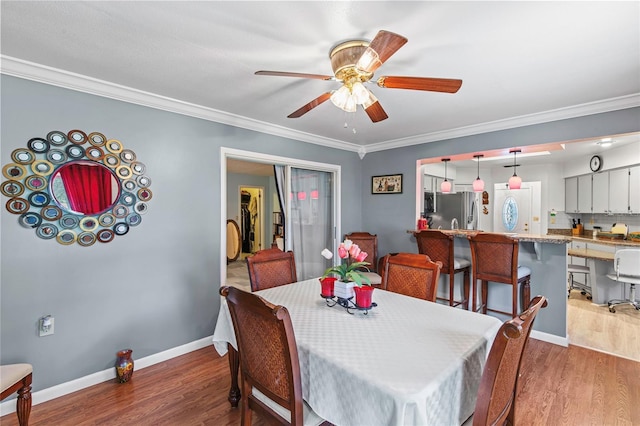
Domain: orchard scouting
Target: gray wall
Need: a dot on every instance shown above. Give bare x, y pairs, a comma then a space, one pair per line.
156, 287
390, 215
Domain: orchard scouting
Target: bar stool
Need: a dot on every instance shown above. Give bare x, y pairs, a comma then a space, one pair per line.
494, 257
439, 247
584, 288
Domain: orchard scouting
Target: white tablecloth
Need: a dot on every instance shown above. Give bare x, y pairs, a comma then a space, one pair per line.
408, 362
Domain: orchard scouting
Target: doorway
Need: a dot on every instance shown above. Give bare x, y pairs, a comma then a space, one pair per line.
321, 195
251, 214
517, 210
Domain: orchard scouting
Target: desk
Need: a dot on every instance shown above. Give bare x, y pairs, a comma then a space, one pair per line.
408, 362
600, 264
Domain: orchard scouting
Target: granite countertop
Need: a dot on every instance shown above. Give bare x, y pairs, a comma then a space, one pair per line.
534, 238
591, 254
608, 242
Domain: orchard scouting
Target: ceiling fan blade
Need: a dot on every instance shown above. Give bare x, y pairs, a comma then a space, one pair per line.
380, 49
295, 74
311, 105
446, 85
375, 112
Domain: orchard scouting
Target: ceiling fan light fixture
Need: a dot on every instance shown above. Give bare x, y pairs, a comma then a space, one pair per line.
359, 92
368, 60
350, 105
340, 97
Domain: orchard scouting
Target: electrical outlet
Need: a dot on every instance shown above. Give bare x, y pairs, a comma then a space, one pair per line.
45, 325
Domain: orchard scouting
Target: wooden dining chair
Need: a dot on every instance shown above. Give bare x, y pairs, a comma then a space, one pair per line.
411, 274
271, 267
269, 363
494, 257
495, 403
17, 378
439, 247
369, 244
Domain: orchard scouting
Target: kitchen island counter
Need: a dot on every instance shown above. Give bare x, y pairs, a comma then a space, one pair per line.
533, 238
546, 256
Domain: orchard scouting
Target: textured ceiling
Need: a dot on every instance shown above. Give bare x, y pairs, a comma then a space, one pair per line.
520, 62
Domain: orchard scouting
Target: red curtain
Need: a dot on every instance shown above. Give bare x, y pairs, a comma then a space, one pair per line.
88, 187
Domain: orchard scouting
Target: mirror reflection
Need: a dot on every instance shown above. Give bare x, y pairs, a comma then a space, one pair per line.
85, 187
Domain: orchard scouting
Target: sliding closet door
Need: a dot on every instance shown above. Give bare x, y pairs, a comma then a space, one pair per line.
311, 220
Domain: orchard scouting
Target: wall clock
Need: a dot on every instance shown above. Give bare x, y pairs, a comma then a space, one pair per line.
595, 163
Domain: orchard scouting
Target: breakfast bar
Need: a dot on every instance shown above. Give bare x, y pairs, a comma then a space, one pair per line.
546, 257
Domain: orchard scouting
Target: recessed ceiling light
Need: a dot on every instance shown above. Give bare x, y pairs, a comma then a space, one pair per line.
605, 142
527, 154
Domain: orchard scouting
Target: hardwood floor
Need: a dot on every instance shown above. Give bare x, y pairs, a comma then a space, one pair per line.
559, 386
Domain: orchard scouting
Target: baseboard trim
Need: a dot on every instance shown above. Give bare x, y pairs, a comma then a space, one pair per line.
550, 338
44, 395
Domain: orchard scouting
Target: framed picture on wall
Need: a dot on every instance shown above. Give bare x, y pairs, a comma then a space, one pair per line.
387, 184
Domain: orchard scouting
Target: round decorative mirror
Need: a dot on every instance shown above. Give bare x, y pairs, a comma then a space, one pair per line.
85, 187
76, 188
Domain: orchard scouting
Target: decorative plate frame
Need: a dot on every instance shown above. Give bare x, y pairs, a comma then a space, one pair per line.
27, 187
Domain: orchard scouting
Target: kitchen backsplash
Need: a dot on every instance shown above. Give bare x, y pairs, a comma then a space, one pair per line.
565, 220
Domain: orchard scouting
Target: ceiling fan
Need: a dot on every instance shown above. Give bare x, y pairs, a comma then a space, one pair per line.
353, 63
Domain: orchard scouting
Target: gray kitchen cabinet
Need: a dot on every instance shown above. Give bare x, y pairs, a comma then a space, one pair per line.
618, 191
571, 195
584, 194
600, 192
634, 189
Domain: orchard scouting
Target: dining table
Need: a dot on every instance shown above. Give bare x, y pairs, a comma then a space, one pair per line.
405, 361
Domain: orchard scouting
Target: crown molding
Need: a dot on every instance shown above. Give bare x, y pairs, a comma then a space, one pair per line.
607, 105
43, 74
56, 77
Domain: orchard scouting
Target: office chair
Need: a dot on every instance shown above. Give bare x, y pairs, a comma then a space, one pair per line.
626, 264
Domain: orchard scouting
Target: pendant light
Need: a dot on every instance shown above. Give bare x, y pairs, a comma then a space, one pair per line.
515, 181
478, 184
445, 186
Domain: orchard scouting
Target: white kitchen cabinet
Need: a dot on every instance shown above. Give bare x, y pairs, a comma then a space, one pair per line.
432, 183
619, 191
634, 189
600, 191
571, 195
584, 194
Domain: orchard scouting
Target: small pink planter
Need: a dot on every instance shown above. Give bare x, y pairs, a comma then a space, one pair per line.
363, 296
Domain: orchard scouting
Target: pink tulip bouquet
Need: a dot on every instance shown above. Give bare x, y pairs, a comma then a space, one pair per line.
349, 269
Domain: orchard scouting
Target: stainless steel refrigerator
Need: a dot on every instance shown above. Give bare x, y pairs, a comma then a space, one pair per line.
440, 210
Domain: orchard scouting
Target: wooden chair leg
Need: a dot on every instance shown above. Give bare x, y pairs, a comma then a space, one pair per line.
514, 300
474, 295
23, 404
466, 288
525, 297
234, 366
485, 294
452, 280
